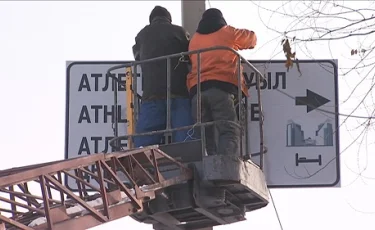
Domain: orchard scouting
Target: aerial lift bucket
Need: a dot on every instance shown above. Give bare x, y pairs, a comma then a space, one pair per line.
223, 188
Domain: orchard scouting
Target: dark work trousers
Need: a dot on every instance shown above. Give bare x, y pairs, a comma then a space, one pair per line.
218, 105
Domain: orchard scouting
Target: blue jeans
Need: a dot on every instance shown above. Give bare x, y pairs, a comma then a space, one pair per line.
153, 116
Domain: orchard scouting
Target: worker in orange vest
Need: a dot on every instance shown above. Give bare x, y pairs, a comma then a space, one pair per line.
219, 84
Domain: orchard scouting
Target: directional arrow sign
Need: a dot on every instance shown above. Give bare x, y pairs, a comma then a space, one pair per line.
289, 129
312, 100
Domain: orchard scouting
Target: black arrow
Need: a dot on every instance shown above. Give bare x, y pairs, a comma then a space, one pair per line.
312, 100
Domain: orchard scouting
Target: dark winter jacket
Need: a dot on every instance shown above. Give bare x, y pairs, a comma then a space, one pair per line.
162, 38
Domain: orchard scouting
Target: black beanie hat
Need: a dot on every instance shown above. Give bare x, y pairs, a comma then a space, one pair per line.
212, 21
160, 11
212, 13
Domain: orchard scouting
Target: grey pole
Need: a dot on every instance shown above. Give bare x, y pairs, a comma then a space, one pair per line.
191, 13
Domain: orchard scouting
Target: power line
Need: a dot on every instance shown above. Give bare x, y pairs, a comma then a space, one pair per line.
289, 15
276, 212
330, 112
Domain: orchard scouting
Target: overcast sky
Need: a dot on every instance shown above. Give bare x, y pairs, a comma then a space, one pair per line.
36, 40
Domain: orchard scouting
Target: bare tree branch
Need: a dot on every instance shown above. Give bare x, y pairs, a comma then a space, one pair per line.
351, 29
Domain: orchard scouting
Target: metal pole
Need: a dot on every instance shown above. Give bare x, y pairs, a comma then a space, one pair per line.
247, 141
115, 85
191, 14
135, 96
239, 95
199, 104
129, 105
167, 134
261, 150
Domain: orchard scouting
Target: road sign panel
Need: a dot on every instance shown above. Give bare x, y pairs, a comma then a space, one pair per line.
90, 110
302, 141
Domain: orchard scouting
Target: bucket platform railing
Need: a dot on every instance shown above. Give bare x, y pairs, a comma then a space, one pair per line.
35, 196
240, 60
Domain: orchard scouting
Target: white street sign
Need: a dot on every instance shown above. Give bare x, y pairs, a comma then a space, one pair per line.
90, 110
302, 142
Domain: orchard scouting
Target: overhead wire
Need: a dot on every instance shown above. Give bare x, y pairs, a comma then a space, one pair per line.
369, 117
330, 112
272, 200
191, 133
351, 115
276, 211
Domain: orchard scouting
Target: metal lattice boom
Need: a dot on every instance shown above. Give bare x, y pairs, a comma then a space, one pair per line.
53, 206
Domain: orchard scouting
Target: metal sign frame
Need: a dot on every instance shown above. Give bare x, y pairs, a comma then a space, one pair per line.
336, 183
337, 136
68, 75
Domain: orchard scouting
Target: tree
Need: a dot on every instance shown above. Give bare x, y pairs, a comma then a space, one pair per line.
317, 21
349, 25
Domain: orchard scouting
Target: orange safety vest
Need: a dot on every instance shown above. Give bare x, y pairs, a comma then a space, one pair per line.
220, 65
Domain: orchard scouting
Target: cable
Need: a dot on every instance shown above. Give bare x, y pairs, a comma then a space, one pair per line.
209, 3
190, 133
329, 112
318, 109
322, 110
276, 212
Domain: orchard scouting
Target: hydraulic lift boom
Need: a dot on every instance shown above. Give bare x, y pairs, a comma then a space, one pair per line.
173, 186
34, 197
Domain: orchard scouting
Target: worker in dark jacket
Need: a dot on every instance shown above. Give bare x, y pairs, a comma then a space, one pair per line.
219, 84
161, 38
